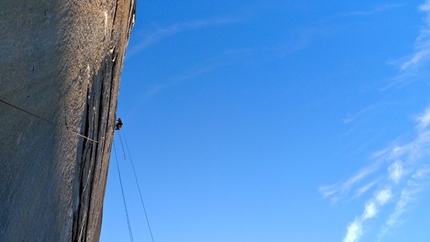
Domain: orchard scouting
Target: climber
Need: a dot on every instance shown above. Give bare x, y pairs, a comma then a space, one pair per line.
118, 124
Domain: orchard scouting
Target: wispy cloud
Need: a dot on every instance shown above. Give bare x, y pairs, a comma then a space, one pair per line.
422, 45
308, 35
360, 191
192, 74
196, 71
375, 10
395, 171
338, 191
407, 172
305, 37
354, 231
351, 118
383, 196
409, 65
371, 209
399, 173
424, 119
417, 183
160, 33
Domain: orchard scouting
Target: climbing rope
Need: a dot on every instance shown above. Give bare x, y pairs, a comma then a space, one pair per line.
122, 146
27, 112
123, 196
46, 120
137, 182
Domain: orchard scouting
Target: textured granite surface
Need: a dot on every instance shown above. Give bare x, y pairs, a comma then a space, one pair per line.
60, 65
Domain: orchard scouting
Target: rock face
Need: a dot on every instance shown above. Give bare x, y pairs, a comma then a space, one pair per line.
60, 65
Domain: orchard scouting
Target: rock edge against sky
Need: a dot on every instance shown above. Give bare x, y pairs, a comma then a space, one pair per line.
60, 70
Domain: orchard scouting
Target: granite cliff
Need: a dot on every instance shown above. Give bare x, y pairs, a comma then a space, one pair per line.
60, 66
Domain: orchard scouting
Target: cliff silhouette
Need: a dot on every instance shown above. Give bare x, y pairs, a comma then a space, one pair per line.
60, 66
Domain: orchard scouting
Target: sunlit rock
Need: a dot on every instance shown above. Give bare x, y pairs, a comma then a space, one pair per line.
60, 65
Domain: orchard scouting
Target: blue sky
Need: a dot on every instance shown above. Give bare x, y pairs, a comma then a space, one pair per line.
274, 121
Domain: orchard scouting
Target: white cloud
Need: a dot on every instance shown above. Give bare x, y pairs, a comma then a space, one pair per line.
414, 60
415, 184
422, 51
421, 174
354, 231
358, 177
398, 150
328, 190
410, 65
370, 210
424, 119
336, 191
405, 198
425, 6
360, 191
402, 160
395, 171
382, 197
399, 161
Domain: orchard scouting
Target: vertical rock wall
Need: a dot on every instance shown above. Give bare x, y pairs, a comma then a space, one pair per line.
60, 65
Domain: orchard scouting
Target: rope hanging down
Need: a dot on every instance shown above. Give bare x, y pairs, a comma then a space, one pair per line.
46, 120
122, 146
137, 182
123, 196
